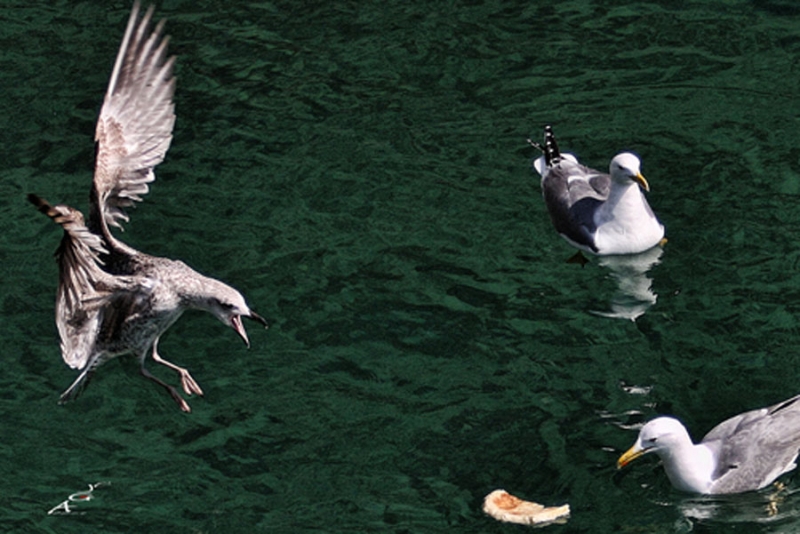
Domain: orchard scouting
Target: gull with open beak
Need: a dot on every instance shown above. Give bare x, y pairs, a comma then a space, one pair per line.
113, 300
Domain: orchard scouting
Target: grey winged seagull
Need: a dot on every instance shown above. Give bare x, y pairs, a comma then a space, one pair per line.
113, 300
599, 213
744, 453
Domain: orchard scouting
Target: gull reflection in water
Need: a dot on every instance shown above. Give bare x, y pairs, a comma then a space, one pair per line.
776, 505
634, 294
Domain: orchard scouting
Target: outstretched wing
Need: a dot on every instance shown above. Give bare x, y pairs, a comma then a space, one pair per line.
84, 289
134, 130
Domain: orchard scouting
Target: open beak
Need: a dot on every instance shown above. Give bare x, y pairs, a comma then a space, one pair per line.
630, 455
639, 179
236, 324
256, 317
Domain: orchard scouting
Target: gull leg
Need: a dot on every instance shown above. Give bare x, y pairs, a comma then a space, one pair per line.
77, 386
188, 383
171, 390
776, 498
578, 258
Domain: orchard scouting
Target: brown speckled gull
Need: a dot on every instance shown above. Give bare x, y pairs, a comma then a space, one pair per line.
113, 300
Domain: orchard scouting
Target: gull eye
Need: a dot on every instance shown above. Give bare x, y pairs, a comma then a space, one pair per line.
224, 305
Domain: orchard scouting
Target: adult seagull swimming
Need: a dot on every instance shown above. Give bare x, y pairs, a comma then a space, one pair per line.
112, 299
598, 213
747, 452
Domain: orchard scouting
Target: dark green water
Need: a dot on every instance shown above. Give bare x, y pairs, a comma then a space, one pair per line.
359, 170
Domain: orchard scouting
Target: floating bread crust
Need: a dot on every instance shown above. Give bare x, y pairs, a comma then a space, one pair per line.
505, 507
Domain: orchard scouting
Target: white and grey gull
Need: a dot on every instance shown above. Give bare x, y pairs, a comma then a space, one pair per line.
113, 300
744, 453
599, 213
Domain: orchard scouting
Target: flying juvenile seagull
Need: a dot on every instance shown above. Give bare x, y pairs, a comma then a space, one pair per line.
113, 300
599, 213
747, 452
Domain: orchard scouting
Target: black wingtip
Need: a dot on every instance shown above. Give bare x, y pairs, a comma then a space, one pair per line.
552, 155
36, 200
41, 204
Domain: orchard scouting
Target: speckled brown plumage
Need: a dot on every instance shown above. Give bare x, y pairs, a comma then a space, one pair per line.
112, 299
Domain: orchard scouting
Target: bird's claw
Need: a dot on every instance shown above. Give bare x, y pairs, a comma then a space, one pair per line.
190, 386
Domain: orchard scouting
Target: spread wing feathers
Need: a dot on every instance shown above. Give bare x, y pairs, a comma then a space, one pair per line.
134, 130
84, 289
77, 255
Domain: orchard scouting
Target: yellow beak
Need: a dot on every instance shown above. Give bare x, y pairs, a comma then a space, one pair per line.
630, 455
639, 179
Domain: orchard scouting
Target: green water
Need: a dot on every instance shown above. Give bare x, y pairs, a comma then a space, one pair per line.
359, 170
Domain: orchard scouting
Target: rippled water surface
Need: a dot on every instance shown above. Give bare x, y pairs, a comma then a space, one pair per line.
359, 170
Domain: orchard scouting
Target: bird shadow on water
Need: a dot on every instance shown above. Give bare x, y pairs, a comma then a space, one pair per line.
634, 294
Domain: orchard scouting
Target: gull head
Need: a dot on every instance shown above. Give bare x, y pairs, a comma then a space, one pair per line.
229, 306
660, 435
625, 168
